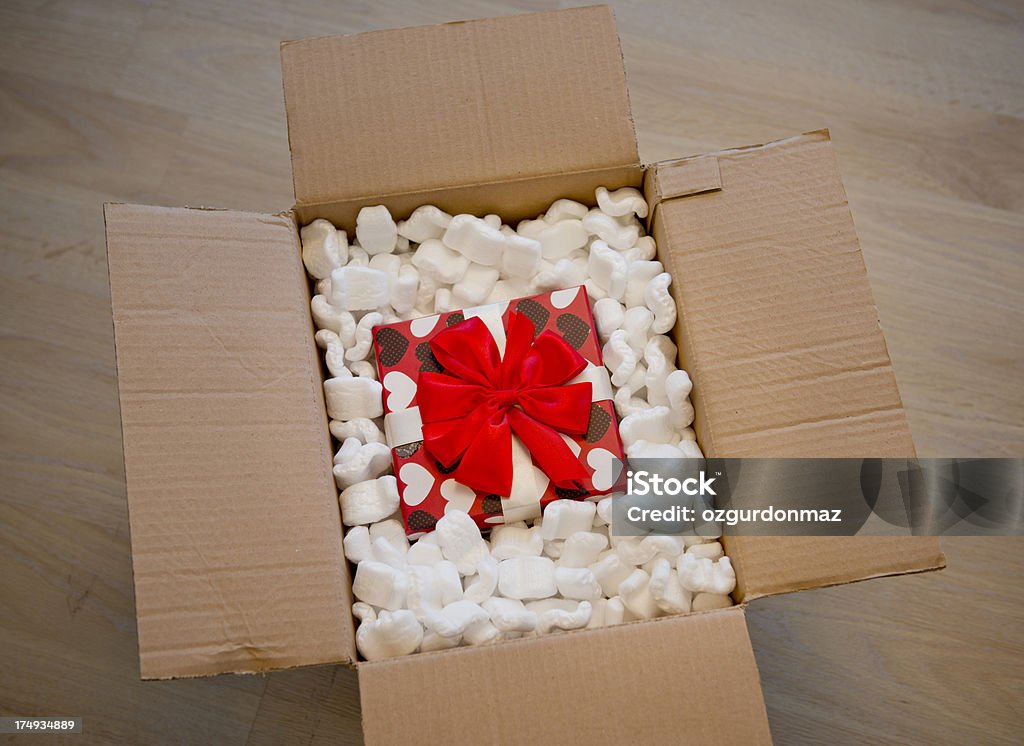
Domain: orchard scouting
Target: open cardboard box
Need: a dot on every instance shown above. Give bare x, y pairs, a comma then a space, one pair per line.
236, 536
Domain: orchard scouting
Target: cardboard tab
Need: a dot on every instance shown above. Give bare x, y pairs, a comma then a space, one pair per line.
235, 528
577, 687
682, 178
385, 113
779, 332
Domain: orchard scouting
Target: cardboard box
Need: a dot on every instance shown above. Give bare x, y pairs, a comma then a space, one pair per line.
236, 537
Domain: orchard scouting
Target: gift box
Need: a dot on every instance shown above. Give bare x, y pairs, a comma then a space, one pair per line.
498, 410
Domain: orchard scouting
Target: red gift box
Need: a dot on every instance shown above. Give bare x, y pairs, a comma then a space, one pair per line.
427, 487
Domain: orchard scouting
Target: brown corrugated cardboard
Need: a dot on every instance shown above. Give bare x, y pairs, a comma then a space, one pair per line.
476, 102
634, 683
776, 317
236, 536
236, 541
769, 565
779, 332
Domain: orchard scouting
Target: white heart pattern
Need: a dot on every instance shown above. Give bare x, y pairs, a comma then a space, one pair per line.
602, 461
573, 445
562, 298
418, 482
401, 389
458, 495
422, 326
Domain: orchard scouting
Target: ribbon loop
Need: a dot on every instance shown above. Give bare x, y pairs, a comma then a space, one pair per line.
471, 411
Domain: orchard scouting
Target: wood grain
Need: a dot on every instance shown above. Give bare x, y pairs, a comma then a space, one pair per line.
179, 102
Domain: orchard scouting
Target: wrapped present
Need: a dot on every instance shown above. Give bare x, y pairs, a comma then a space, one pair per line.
498, 410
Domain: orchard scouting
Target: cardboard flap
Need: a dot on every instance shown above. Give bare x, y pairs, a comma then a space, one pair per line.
770, 565
577, 687
779, 332
777, 324
475, 102
235, 528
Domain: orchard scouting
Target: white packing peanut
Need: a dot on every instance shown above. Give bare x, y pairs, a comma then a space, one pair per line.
362, 428
514, 541
443, 301
611, 231
363, 369
510, 614
608, 269
434, 641
635, 593
424, 553
389, 264
666, 591
380, 585
480, 587
363, 611
633, 551
384, 551
425, 223
357, 462
565, 209
334, 353
610, 571
393, 531
475, 239
553, 548
559, 240
565, 619
621, 202
657, 298
640, 275
357, 256
660, 358
475, 285
712, 551
358, 288
360, 349
348, 398
439, 262
324, 248
376, 230
577, 583
337, 320
562, 518
666, 546
481, 633
644, 250
527, 578
614, 612
608, 316
636, 323
460, 541
368, 502
582, 548
677, 395
404, 289
652, 425
701, 575
391, 634
521, 257
619, 357
455, 618
357, 544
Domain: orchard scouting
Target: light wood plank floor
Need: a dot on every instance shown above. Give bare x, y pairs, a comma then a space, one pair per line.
180, 102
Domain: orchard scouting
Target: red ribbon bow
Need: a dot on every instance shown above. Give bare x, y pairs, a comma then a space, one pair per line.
471, 410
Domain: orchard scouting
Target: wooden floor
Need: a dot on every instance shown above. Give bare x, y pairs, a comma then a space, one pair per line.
180, 102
